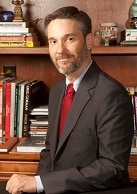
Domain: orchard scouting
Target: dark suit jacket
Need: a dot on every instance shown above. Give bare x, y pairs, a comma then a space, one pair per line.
94, 149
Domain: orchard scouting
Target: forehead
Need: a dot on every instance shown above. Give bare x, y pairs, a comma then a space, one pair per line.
63, 26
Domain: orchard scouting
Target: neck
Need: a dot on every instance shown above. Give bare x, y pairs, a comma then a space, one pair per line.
73, 76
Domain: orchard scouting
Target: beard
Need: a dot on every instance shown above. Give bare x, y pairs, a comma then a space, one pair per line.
72, 63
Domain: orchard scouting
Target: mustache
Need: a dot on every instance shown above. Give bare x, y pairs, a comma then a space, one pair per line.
63, 56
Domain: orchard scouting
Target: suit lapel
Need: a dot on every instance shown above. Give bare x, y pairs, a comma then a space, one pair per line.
86, 88
54, 136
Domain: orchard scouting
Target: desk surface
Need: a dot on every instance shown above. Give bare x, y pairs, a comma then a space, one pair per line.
128, 190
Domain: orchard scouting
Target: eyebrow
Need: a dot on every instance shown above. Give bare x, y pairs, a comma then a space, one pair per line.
66, 35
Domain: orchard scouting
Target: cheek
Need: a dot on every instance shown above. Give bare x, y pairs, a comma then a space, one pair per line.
52, 51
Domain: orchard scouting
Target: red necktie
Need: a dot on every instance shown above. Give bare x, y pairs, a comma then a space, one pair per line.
66, 104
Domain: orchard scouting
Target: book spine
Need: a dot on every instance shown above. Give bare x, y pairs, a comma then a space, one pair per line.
27, 107
21, 108
135, 109
29, 44
7, 114
26, 111
17, 34
3, 106
37, 132
1, 99
12, 109
15, 30
18, 110
14, 24
38, 129
16, 38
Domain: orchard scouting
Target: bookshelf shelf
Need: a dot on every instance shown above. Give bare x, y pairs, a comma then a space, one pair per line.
21, 50
114, 50
97, 50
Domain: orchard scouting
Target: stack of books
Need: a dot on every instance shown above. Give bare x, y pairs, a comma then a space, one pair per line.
32, 144
17, 34
39, 121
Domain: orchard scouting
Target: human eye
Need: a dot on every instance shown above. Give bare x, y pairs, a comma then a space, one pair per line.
52, 41
70, 39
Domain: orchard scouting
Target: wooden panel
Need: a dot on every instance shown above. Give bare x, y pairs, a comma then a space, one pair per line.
121, 67
18, 166
132, 169
7, 168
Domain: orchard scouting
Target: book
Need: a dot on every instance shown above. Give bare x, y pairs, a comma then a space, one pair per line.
32, 144
4, 103
8, 106
135, 106
14, 24
26, 110
19, 43
18, 34
8, 144
128, 43
33, 96
16, 30
18, 38
42, 108
21, 108
134, 150
1, 103
13, 106
18, 108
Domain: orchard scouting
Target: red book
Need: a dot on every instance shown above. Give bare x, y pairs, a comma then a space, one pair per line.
2, 79
7, 110
17, 38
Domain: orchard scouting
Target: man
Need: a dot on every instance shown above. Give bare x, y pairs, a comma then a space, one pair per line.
92, 150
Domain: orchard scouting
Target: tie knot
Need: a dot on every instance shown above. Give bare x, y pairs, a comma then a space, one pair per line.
70, 89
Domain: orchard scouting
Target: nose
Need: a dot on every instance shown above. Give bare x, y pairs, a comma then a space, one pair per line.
61, 47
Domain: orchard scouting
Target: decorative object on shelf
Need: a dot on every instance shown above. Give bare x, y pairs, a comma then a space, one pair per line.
108, 33
133, 14
6, 16
129, 37
18, 14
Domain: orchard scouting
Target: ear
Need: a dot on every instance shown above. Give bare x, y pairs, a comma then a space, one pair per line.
90, 41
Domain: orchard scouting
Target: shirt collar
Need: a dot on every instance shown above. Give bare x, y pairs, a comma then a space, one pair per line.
78, 80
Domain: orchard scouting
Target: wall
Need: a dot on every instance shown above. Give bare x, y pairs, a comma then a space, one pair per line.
100, 10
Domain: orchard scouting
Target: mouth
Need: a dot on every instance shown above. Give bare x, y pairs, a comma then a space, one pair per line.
63, 57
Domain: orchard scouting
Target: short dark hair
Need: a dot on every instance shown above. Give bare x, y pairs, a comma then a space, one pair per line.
71, 12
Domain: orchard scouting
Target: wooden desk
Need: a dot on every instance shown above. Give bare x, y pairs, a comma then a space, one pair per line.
26, 163
17, 162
